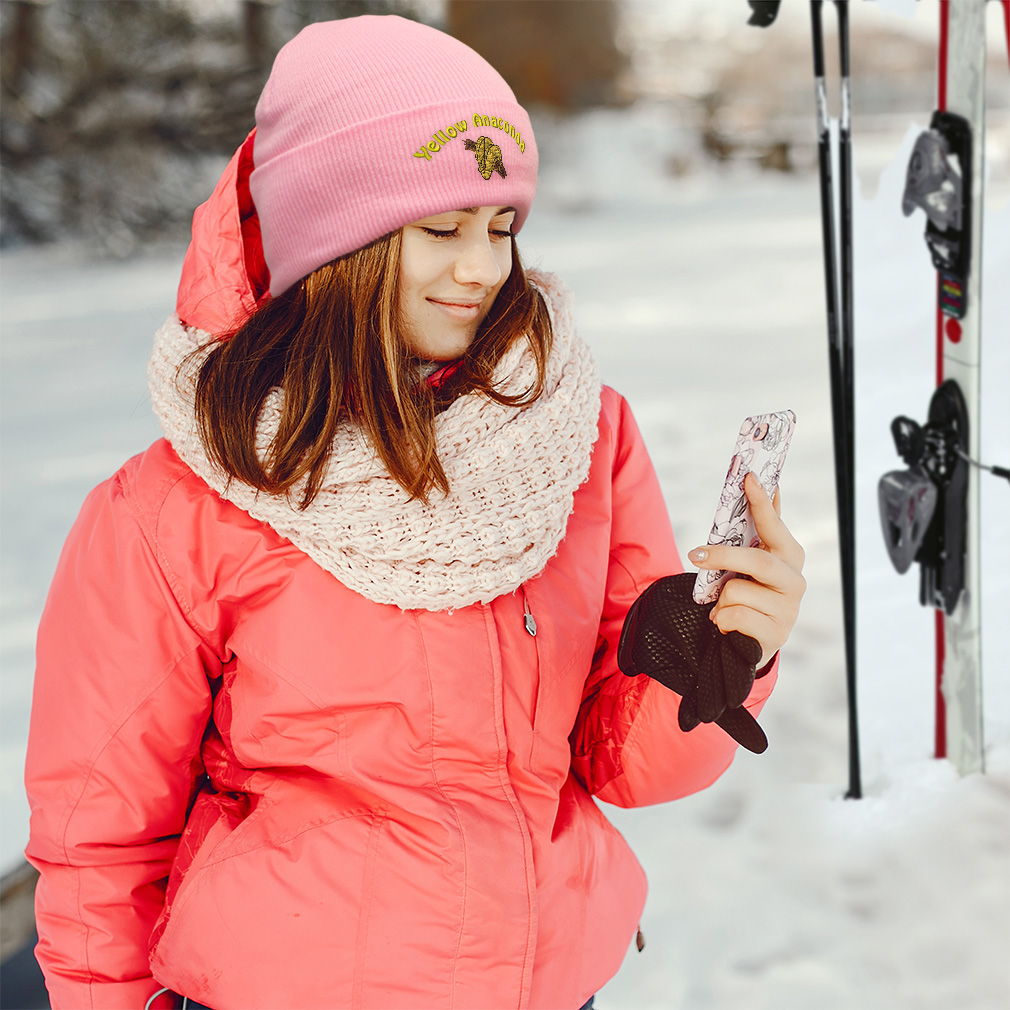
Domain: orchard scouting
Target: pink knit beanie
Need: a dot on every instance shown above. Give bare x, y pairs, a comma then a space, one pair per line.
369, 123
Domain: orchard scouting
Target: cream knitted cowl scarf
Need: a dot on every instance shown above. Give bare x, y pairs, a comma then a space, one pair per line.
512, 476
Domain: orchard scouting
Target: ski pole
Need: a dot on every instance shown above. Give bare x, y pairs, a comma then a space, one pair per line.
845, 236
840, 358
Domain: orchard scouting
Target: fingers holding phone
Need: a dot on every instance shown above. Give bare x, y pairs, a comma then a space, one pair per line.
766, 603
749, 539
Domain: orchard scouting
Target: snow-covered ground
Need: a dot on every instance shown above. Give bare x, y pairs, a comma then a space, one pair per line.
703, 299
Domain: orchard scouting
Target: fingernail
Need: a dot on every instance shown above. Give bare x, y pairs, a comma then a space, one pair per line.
698, 554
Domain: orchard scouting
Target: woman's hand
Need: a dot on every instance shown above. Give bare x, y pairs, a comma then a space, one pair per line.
765, 604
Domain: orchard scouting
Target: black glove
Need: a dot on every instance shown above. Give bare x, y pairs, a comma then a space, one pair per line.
670, 638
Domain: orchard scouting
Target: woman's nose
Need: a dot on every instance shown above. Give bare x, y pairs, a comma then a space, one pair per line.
477, 264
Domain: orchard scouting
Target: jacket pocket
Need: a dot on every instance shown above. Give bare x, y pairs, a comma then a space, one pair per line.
276, 917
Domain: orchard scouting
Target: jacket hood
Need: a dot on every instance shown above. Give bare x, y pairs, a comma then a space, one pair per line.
224, 274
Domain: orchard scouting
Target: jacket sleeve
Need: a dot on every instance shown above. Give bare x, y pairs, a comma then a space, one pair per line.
627, 747
121, 700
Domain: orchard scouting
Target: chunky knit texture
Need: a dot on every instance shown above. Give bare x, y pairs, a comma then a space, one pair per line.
369, 123
512, 475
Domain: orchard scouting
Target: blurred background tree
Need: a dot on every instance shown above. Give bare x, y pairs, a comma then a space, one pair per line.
116, 113
552, 52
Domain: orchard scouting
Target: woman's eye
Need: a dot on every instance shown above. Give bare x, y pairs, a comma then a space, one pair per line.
440, 232
501, 232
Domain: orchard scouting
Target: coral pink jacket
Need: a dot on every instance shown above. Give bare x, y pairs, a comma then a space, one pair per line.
263, 790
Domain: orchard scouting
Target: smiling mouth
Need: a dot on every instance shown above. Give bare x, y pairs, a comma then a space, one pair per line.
461, 310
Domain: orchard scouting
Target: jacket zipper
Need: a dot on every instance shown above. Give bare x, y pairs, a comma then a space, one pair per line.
494, 645
529, 622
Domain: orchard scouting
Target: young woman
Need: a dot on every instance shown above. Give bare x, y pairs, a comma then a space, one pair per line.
327, 680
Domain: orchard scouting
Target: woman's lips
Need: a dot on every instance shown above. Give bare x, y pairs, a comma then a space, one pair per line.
465, 311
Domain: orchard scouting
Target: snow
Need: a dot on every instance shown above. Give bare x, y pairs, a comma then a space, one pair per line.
703, 299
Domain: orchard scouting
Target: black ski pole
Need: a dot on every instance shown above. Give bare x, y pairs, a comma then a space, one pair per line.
848, 371
845, 244
840, 347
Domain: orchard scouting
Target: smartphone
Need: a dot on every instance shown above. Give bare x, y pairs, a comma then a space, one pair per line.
760, 448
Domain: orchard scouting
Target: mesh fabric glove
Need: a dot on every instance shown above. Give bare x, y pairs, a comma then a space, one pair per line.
669, 637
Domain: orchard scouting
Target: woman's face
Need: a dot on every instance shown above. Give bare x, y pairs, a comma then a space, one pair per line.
452, 267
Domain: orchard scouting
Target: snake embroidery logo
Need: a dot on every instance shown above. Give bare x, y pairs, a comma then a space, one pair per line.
488, 155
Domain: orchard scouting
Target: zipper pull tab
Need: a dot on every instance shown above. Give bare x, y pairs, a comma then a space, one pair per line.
528, 620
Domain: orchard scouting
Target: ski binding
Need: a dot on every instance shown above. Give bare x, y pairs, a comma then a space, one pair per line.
939, 181
923, 510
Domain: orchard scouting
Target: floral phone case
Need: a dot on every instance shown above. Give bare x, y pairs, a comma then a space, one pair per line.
761, 448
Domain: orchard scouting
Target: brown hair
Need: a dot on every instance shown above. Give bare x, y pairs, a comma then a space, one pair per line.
335, 344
